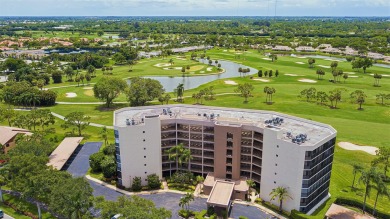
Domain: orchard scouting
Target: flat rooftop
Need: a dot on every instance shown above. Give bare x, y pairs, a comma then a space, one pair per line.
7, 133
62, 153
315, 131
221, 193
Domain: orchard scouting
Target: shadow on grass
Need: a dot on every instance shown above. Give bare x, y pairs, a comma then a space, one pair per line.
113, 107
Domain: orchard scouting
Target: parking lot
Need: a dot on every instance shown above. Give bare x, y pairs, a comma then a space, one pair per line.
168, 200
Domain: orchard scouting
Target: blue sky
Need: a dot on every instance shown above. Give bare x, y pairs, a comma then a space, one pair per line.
194, 7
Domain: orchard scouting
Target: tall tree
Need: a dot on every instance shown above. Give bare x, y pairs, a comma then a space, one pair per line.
142, 90
180, 154
179, 92
381, 189
77, 121
357, 168
133, 207
383, 158
280, 193
108, 89
311, 61
366, 178
359, 97
72, 198
377, 77
269, 91
245, 90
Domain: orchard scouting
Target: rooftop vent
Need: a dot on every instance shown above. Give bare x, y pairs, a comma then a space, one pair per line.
299, 139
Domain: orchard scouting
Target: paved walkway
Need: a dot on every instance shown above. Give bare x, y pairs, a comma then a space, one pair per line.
91, 124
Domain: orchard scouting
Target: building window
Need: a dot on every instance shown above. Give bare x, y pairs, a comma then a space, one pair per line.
274, 182
277, 155
144, 156
276, 164
277, 146
144, 139
146, 180
144, 148
229, 135
276, 174
145, 165
146, 172
143, 131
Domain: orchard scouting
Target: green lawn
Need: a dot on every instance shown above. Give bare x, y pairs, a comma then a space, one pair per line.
29, 207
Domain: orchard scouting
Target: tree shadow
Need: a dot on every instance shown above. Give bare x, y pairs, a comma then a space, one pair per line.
113, 107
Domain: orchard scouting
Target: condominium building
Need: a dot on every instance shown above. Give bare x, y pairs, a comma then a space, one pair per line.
231, 145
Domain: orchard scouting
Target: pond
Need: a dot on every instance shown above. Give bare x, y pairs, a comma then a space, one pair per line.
231, 70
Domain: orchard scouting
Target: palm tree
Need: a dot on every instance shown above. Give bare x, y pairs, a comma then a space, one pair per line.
179, 154
104, 134
186, 199
269, 91
367, 177
180, 92
381, 189
356, 169
171, 62
281, 194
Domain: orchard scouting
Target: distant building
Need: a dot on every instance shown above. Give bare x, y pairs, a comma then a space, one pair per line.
305, 49
8, 136
282, 48
231, 145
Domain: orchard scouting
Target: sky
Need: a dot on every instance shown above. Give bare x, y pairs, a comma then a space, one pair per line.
195, 8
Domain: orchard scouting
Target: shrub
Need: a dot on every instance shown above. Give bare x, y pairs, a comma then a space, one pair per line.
136, 186
108, 167
242, 217
95, 161
57, 77
109, 149
186, 213
210, 211
153, 181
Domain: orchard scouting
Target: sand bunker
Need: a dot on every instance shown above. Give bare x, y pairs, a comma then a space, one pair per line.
382, 75
302, 57
353, 76
353, 147
179, 58
175, 68
267, 59
88, 88
162, 65
238, 53
201, 72
350, 73
307, 80
293, 75
323, 66
301, 63
71, 95
231, 82
259, 79
225, 50
209, 69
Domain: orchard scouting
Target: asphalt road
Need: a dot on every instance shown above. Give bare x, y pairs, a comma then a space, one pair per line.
170, 201
80, 164
7, 217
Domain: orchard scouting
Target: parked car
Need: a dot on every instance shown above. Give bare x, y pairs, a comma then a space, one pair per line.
116, 216
1, 213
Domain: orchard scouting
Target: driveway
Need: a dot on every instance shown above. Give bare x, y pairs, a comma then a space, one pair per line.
170, 201
80, 164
